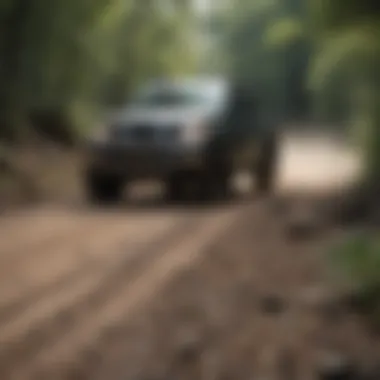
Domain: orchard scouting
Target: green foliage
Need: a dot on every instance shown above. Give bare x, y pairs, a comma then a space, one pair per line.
284, 32
357, 260
345, 69
336, 14
266, 45
352, 52
356, 263
269, 45
67, 54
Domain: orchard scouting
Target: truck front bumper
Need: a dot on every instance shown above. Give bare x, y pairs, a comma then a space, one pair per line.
142, 162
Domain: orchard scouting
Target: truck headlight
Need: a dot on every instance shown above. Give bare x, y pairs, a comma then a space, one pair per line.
196, 133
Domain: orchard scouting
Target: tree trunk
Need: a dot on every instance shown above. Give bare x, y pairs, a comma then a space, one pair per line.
11, 99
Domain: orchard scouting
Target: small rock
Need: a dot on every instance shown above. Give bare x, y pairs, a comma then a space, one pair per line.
332, 366
187, 361
300, 229
363, 302
272, 304
303, 223
189, 347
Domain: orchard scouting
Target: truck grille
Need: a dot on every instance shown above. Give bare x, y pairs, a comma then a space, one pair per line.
146, 134
142, 133
169, 134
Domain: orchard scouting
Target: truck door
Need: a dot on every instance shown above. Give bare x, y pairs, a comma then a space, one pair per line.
242, 126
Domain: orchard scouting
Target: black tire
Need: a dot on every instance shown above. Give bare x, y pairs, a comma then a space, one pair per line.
176, 187
266, 165
206, 187
219, 184
212, 185
201, 186
103, 188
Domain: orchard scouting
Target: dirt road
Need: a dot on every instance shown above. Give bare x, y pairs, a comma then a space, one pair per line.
69, 276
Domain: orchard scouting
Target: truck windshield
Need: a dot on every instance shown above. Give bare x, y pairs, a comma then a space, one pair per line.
177, 96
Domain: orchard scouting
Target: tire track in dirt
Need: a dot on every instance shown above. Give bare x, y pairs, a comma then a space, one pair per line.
72, 265
46, 261
86, 294
114, 309
28, 232
68, 260
26, 251
24, 233
21, 231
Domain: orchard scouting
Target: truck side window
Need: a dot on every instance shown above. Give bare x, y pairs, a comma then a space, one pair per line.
242, 110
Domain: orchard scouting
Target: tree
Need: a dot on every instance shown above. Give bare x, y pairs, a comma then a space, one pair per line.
347, 58
65, 57
266, 46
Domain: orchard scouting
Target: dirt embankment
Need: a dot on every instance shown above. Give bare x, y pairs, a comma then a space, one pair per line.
30, 175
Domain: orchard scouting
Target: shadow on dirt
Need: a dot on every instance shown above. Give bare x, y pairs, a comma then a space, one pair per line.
359, 206
160, 204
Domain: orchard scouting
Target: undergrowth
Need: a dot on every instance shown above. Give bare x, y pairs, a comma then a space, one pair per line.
356, 262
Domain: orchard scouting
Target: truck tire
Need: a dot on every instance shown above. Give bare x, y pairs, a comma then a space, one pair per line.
213, 184
103, 188
176, 187
221, 183
266, 165
206, 190
204, 186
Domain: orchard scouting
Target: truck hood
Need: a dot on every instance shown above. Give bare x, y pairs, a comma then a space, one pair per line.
179, 116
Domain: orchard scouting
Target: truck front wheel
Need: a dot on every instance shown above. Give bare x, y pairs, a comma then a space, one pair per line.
266, 165
103, 188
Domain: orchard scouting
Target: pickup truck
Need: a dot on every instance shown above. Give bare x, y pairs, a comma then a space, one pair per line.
191, 133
